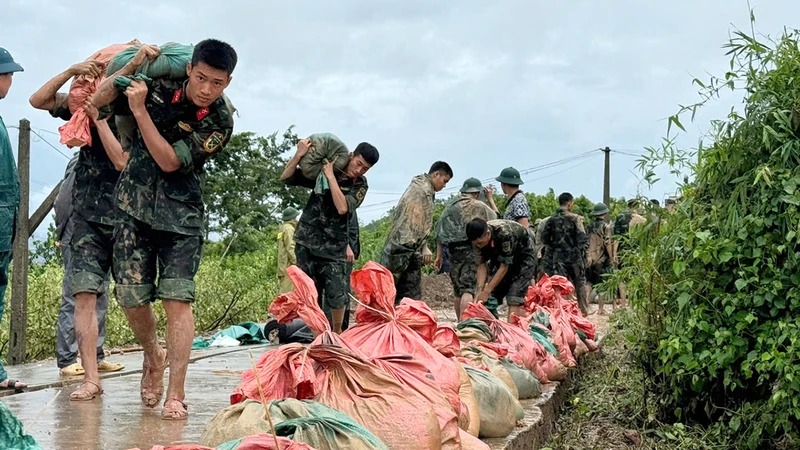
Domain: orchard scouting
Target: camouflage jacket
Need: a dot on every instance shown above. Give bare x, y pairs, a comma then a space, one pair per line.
599, 235
564, 238
322, 230
452, 225
174, 201
412, 219
511, 243
95, 174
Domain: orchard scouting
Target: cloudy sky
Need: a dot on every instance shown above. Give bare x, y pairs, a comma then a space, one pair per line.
482, 85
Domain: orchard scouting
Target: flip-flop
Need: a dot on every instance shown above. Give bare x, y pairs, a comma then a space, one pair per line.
76, 396
175, 413
12, 385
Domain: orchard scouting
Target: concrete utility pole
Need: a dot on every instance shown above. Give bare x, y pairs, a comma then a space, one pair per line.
607, 178
19, 281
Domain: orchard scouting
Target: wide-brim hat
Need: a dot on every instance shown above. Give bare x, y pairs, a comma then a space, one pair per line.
471, 185
599, 209
510, 175
290, 214
7, 63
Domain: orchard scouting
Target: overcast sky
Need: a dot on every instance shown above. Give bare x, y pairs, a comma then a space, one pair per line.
481, 85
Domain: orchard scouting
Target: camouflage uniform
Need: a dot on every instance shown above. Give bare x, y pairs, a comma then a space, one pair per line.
323, 235
598, 261
511, 244
95, 213
565, 243
451, 232
411, 225
161, 233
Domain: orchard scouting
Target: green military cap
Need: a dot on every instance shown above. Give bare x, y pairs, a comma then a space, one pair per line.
7, 63
599, 209
471, 185
510, 175
290, 214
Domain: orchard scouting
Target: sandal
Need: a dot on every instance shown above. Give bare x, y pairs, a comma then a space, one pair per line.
72, 370
108, 366
14, 385
174, 409
153, 376
84, 393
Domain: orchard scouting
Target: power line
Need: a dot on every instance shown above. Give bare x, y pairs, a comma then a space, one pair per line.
624, 152
51, 145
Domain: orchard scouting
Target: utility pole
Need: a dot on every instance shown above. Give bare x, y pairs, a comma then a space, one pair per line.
19, 281
607, 178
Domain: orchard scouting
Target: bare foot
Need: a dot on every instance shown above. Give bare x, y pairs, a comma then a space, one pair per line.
152, 385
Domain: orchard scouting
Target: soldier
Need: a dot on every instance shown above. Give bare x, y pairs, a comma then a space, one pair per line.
324, 236
406, 249
600, 255
565, 243
451, 234
507, 247
517, 207
86, 211
9, 199
286, 256
622, 224
160, 235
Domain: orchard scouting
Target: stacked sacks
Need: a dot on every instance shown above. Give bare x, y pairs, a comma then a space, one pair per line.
343, 378
572, 333
522, 348
260, 441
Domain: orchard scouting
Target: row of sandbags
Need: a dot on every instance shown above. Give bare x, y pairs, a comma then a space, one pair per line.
396, 377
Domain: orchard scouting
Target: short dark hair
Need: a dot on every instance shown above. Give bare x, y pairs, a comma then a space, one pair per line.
476, 228
217, 54
633, 203
441, 166
565, 198
655, 201
368, 152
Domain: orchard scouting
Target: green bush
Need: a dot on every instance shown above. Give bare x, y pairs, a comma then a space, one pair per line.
717, 291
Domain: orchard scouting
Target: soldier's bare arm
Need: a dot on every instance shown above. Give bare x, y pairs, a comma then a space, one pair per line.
162, 151
106, 92
45, 97
113, 148
291, 167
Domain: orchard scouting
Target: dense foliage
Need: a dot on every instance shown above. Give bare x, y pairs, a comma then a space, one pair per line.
718, 289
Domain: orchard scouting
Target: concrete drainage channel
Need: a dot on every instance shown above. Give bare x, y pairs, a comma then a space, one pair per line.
542, 412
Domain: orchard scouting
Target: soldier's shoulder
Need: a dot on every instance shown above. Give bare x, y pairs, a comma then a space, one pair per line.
223, 112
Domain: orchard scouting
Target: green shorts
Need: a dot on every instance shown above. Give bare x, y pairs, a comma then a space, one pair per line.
463, 268
331, 277
150, 264
92, 248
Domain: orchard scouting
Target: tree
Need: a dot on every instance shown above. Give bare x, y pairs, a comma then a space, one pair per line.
242, 187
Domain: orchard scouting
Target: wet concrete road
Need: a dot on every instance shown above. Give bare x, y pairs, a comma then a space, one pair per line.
118, 420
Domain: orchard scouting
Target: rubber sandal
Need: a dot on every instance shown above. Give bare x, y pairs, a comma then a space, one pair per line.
108, 366
72, 370
13, 385
174, 412
151, 397
84, 394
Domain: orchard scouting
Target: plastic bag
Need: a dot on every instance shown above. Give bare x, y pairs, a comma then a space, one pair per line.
12, 434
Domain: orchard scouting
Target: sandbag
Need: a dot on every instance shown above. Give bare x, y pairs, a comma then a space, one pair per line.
470, 418
375, 400
323, 146
542, 335
499, 410
446, 340
527, 385
580, 349
170, 63
75, 133
474, 330
483, 358
262, 441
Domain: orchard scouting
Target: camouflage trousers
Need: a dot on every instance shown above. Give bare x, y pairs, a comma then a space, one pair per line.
407, 271
463, 268
331, 277
150, 264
